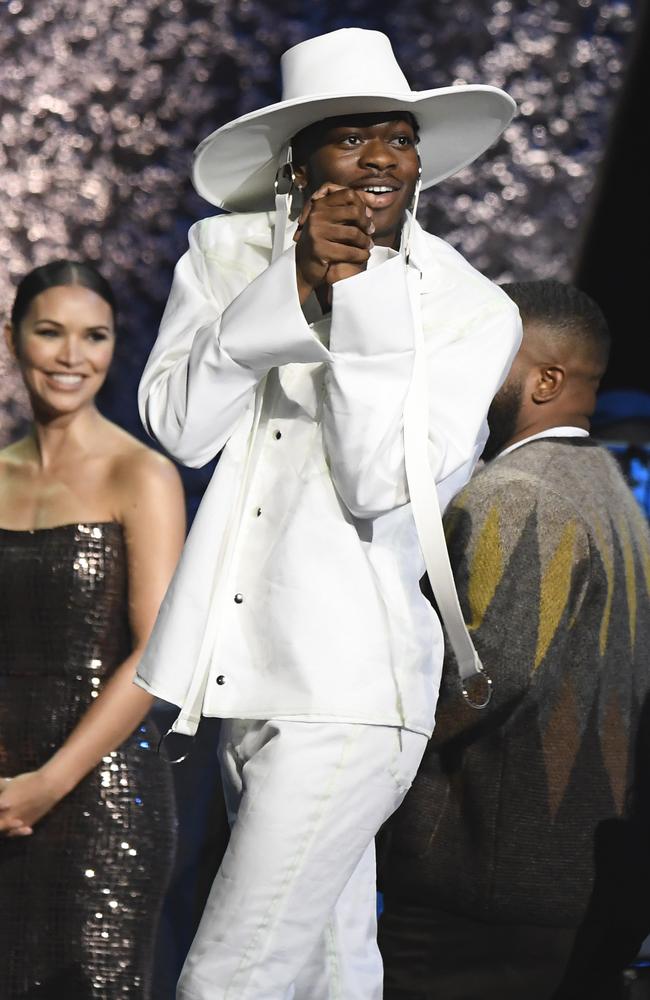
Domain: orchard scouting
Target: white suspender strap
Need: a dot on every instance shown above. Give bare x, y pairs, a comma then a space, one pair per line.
426, 508
283, 185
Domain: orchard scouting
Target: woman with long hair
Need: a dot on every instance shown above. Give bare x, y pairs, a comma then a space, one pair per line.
92, 522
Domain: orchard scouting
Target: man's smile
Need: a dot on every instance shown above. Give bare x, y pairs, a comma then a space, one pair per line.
378, 195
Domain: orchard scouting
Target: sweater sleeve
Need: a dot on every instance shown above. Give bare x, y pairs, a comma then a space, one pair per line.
521, 559
213, 349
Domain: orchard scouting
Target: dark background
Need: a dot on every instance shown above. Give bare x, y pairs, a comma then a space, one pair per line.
612, 263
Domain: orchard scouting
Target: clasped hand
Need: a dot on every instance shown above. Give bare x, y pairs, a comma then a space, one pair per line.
24, 800
334, 238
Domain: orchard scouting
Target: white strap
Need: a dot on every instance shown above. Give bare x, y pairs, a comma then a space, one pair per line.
426, 507
280, 225
284, 186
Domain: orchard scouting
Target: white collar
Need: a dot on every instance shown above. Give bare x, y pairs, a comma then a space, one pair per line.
553, 432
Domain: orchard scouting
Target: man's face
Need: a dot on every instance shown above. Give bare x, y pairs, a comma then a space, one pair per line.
375, 155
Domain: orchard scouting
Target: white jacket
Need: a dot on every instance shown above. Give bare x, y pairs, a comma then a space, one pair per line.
297, 593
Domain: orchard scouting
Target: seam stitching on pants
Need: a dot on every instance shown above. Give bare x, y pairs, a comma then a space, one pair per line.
332, 954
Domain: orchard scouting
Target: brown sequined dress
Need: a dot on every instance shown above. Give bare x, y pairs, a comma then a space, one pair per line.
80, 898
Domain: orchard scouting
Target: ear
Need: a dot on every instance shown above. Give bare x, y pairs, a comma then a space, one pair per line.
10, 340
300, 173
549, 383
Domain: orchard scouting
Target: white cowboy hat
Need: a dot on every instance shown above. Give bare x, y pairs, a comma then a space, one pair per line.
350, 71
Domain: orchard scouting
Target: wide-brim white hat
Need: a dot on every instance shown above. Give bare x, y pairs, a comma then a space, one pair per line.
350, 71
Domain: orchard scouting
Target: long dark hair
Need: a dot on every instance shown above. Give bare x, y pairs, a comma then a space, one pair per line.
54, 274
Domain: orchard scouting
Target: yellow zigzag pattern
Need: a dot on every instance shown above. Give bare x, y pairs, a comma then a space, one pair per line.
608, 562
645, 561
555, 585
486, 569
630, 577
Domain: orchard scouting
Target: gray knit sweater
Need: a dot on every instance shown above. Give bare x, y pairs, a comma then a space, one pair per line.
551, 554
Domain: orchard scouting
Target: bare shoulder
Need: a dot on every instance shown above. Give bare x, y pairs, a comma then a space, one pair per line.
139, 476
149, 502
142, 466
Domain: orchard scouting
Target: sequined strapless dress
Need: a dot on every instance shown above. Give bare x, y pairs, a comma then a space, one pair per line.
80, 898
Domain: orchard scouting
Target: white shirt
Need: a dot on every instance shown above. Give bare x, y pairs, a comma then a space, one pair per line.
297, 593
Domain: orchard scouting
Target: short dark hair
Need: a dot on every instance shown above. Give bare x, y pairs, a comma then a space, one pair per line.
564, 308
55, 274
308, 139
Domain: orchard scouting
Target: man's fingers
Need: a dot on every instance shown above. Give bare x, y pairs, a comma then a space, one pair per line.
341, 205
330, 239
352, 212
342, 253
327, 188
345, 235
335, 227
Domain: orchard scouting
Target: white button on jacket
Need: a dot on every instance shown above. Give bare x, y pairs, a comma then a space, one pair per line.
297, 593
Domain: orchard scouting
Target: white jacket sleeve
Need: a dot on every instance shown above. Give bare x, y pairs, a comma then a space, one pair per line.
471, 338
211, 353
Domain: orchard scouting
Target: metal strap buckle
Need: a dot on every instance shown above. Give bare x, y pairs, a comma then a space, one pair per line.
488, 692
284, 178
176, 760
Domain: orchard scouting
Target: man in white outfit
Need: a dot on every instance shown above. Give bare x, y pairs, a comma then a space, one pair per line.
342, 361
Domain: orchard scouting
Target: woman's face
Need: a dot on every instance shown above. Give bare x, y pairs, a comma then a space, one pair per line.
64, 348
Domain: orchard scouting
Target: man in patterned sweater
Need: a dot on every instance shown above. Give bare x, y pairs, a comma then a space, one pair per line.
517, 866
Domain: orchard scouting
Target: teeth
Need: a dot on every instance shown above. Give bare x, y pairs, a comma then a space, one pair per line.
66, 379
378, 190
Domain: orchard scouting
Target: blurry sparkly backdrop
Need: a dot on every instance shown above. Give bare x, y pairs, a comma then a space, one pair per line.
103, 101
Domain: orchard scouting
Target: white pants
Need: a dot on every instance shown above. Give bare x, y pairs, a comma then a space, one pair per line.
292, 911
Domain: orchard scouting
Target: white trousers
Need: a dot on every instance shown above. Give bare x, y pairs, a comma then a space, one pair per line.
292, 911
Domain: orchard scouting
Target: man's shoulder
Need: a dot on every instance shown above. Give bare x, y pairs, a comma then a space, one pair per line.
497, 480
231, 250
505, 499
227, 230
556, 473
432, 253
433, 247
513, 481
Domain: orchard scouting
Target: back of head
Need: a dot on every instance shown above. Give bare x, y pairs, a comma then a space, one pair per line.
567, 313
555, 376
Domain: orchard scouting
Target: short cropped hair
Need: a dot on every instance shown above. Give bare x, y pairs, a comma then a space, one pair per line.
564, 308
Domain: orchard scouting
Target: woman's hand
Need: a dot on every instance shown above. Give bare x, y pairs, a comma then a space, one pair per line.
23, 801
333, 238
